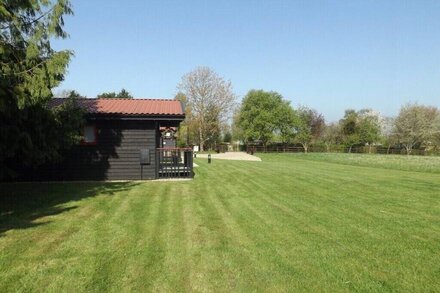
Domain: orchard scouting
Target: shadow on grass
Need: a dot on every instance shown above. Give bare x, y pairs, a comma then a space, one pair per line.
22, 204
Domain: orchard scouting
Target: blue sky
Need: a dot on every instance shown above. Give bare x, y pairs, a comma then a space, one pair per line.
330, 55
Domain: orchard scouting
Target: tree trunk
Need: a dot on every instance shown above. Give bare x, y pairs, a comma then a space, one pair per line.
369, 148
408, 150
388, 149
305, 146
349, 150
201, 140
327, 146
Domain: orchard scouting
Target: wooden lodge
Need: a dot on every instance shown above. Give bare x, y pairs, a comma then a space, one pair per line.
125, 139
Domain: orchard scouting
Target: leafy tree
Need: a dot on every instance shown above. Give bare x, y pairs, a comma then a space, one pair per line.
360, 128
331, 135
237, 131
369, 127
123, 94
187, 129
350, 129
288, 122
109, 95
210, 99
69, 94
30, 133
75, 95
213, 124
261, 114
309, 127
415, 125
227, 137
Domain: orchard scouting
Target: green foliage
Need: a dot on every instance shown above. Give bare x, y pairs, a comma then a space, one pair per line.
30, 133
428, 164
109, 95
360, 128
331, 135
310, 126
212, 125
288, 123
74, 94
187, 133
69, 94
369, 129
227, 137
350, 128
30, 68
237, 131
36, 135
69, 121
123, 94
262, 113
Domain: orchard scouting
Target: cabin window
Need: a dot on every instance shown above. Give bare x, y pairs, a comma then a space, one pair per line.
89, 135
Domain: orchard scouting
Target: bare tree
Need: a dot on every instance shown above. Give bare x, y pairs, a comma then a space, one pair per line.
415, 125
211, 100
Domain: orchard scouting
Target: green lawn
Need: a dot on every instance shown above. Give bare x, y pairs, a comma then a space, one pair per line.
291, 222
397, 162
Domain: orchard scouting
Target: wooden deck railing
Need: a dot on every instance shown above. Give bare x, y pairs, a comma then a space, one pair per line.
174, 163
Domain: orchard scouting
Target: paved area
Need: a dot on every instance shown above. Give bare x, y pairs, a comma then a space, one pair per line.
239, 156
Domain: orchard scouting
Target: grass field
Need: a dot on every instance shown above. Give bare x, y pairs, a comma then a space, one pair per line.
429, 164
289, 223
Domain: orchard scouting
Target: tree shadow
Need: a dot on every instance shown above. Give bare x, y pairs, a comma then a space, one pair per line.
84, 162
22, 205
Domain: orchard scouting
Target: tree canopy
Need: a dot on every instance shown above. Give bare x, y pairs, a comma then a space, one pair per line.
310, 126
30, 133
415, 125
123, 94
262, 113
30, 67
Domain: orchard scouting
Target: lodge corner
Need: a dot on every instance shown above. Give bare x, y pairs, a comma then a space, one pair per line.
124, 139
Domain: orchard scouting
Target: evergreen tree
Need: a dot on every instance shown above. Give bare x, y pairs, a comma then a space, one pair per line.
30, 133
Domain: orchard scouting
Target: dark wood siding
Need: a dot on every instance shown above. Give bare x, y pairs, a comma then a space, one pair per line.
115, 155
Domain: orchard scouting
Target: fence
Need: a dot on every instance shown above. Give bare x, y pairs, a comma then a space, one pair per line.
174, 163
336, 149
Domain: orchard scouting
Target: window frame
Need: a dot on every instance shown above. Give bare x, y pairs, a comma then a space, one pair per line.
95, 131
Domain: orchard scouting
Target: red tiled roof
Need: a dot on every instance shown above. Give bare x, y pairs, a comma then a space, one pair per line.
127, 106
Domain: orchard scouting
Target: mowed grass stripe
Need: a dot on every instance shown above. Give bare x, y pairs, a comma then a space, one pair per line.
259, 251
286, 223
364, 219
277, 233
52, 235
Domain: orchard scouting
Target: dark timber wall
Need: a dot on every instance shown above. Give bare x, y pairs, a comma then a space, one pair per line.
115, 155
